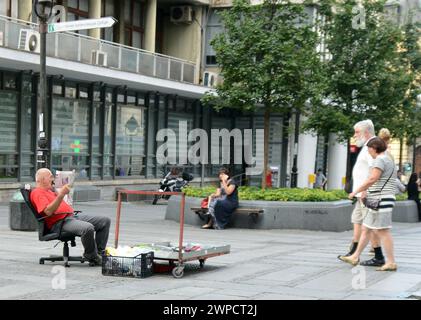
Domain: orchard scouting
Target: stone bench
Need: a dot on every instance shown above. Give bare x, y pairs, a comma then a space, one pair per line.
252, 213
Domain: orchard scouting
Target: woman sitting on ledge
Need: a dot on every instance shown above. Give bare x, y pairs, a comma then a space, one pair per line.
223, 202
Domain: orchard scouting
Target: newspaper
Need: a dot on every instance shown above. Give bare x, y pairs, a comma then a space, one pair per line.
62, 178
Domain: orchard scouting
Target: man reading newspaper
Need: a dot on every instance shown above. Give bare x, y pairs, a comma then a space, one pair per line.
93, 230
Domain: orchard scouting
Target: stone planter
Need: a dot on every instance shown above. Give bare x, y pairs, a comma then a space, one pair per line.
318, 216
20, 217
321, 216
405, 211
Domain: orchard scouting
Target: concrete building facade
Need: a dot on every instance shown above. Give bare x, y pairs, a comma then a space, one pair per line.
111, 90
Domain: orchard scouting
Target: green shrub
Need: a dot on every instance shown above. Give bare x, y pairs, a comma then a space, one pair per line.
281, 194
274, 194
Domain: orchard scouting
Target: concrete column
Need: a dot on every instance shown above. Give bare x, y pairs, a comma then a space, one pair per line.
150, 26
95, 13
25, 10
307, 148
336, 163
198, 43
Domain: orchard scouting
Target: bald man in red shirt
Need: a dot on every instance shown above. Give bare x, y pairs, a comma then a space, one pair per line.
93, 230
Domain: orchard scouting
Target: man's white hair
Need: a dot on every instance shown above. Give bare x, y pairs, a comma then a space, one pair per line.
41, 173
366, 125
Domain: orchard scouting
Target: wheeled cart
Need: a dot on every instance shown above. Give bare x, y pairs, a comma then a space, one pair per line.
176, 256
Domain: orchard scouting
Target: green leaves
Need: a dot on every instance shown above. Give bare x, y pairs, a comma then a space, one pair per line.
264, 53
253, 193
371, 73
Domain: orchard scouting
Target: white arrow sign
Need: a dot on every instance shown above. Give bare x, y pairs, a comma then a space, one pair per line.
81, 24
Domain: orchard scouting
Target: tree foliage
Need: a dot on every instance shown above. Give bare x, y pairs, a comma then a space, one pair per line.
268, 59
369, 69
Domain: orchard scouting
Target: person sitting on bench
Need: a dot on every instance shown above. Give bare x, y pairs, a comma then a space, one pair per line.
60, 216
223, 202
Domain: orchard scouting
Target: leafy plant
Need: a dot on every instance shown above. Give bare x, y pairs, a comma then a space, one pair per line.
280, 194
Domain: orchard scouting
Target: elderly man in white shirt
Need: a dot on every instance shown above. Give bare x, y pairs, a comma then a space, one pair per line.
363, 133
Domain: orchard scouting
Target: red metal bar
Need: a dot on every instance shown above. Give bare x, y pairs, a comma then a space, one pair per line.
180, 241
117, 223
120, 192
150, 192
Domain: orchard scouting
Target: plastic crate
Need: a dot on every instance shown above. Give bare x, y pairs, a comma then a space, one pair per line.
140, 266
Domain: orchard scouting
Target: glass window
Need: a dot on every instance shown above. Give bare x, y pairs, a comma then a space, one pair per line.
8, 135
9, 81
131, 98
130, 144
78, 10
70, 135
133, 18
27, 85
127, 7
83, 93
8, 122
71, 17
8, 167
140, 100
108, 141
214, 28
58, 89
27, 139
97, 95
73, 3
70, 92
108, 11
136, 14
96, 127
84, 5
109, 97
3, 8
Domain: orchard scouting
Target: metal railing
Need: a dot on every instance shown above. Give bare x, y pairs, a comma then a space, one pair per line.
80, 48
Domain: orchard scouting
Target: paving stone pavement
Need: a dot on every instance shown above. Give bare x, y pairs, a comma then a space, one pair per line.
262, 264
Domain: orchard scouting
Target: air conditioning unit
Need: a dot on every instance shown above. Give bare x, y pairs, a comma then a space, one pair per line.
99, 58
29, 40
210, 79
181, 14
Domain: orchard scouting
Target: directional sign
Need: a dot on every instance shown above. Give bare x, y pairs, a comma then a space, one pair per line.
81, 24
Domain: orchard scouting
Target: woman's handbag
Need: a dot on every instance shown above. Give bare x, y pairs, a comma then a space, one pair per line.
205, 203
374, 203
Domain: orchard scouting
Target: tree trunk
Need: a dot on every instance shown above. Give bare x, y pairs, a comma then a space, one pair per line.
400, 153
266, 146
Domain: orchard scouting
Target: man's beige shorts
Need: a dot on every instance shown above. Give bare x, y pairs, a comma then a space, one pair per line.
359, 213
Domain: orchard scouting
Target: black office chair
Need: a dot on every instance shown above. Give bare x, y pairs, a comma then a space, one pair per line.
45, 235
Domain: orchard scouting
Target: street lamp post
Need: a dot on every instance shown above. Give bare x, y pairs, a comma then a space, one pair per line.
43, 10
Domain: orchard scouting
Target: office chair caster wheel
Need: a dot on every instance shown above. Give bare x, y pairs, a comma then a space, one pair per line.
67, 265
178, 272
